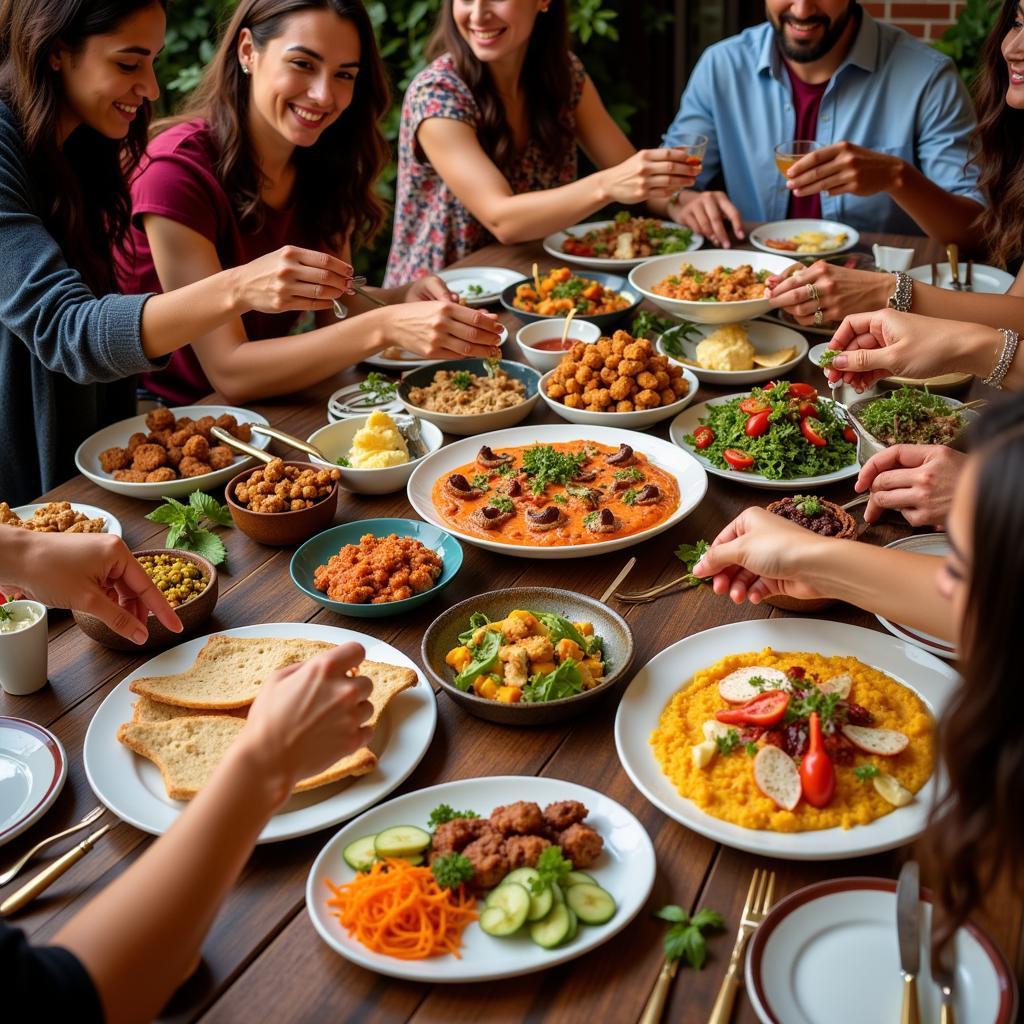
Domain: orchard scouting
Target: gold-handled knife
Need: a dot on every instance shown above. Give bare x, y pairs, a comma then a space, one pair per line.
953, 255
31, 889
943, 971
908, 932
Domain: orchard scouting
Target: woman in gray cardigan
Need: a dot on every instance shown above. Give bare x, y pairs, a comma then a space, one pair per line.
76, 84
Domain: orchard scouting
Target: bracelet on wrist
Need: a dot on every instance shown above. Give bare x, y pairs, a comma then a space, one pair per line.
1005, 360
903, 295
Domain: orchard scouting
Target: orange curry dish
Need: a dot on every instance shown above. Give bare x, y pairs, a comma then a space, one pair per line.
550, 495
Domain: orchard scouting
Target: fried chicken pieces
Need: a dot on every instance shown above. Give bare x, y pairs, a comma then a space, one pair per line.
515, 835
173, 448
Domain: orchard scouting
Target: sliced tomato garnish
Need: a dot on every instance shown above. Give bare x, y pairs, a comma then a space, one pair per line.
809, 428
801, 390
757, 424
703, 437
753, 405
765, 710
808, 409
737, 458
849, 434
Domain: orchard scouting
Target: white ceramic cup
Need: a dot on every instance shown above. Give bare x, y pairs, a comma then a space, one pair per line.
23, 652
891, 258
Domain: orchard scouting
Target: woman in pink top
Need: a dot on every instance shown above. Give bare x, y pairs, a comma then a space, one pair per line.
280, 142
487, 146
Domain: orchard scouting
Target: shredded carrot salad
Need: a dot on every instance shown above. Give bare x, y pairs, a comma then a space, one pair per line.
401, 911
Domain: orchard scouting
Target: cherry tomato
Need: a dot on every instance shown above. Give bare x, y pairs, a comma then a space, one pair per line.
765, 710
703, 437
808, 409
849, 434
809, 428
737, 458
757, 424
799, 390
751, 406
817, 776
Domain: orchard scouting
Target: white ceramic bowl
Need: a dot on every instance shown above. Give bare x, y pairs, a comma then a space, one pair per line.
543, 360
636, 420
335, 440
647, 275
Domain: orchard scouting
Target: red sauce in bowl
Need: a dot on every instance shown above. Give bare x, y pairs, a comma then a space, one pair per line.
554, 344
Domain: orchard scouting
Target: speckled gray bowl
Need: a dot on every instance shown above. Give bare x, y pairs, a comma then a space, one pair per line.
443, 634
868, 445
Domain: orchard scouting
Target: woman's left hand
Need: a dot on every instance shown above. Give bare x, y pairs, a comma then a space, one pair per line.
424, 289
840, 291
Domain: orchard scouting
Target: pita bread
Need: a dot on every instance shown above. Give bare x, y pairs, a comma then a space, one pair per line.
767, 359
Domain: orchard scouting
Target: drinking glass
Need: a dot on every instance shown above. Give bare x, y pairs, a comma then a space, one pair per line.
787, 153
692, 146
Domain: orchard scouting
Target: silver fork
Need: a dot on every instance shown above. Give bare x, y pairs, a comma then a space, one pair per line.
760, 896
357, 283
7, 875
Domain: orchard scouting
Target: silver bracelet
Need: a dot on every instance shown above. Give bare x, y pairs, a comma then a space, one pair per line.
1010, 340
902, 297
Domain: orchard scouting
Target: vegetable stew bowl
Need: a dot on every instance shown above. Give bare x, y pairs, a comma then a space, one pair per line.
647, 275
606, 321
443, 634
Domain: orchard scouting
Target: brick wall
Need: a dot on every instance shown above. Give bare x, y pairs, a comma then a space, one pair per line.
927, 19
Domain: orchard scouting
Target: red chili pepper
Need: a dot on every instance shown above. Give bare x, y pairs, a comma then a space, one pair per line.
765, 710
817, 776
752, 406
757, 424
703, 437
737, 458
808, 429
800, 390
849, 434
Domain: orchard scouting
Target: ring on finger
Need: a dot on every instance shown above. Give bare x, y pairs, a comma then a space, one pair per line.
812, 292
819, 317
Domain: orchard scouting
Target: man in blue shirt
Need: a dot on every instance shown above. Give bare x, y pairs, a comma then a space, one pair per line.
890, 114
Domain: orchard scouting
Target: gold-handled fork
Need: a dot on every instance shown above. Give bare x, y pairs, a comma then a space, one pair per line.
7, 875
759, 900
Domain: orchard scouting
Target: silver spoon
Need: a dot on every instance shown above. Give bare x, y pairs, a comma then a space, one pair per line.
341, 311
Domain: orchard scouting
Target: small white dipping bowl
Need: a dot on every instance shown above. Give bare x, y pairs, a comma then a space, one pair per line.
545, 330
335, 440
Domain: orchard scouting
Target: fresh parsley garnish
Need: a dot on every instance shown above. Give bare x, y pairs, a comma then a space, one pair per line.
443, 813
728, 743
377, 389
803, 701
342, 461
5, 613
502, 503
185, 529
462, 379
630, 473
560, 499
481, 480
551, 867
808, 504
452, 870
570, 289
590, 519
866, 771
751, 748
685, 939
690, 555
629, 497
475, 289
650, 325
826, 358
546, 466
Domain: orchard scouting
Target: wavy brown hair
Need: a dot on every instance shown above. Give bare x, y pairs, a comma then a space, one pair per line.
334, 192
546, 81
999, 139
82, 186
977, 829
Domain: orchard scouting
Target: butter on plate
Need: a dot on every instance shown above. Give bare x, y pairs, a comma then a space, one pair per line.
378, 444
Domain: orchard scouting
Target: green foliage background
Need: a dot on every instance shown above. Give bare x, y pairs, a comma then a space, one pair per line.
964, 40
403, 27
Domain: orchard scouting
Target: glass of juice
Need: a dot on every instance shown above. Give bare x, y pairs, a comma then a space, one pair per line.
692, 146
787, 153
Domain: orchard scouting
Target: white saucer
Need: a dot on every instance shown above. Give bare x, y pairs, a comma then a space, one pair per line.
33, 767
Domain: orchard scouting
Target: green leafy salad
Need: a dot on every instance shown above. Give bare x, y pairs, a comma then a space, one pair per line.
781, 431
910, 416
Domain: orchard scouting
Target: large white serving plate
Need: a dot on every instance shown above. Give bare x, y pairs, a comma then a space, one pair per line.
87, 458
33, 767
991, 280
779, 229
692, 480
672, 670
829, 953
644, 277
688, 421
765, 338
131, 786
625, 869
112, 523
554, 242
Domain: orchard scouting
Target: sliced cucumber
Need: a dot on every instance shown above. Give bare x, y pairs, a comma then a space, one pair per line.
401, 841
554, 929
415, 859
540, 902
574, 918
360, 853
576, 878
505, 910
591, 903
522, 876
558, 892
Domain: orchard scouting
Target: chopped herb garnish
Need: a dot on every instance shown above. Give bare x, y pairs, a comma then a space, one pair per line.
377, 389
462, 379
826, 358
808, 504
551, 867
560, 499
502, 503
804, 700
590, 519
728, 743
444, 813
685, 939
751, 748
481, 480
629, 497
452, 870
342, 461
5, 613
546, 466
630, 473
475, 289
570, 289
866, 771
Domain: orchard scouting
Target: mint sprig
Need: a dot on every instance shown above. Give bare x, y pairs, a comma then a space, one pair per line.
185, 524
685, 939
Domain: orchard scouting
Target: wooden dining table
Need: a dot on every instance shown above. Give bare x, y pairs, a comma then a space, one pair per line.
262, 960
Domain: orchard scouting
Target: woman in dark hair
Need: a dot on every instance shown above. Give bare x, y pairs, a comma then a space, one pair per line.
76, 84
972, 597
488, 139
280, 143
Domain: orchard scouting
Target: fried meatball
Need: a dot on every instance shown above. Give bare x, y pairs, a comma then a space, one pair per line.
522, 817
489, 859
227, 422
174, 456
114, 458
524, 851
161, 475
559, 816
135, 440
160, 419
243, 432
130, 476
181, 435
581, 844
203, 425
148, 457
455, 835
193, 467
160, 437
221, 456
196, 447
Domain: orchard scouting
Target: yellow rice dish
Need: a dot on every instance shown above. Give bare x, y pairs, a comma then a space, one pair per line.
725, 787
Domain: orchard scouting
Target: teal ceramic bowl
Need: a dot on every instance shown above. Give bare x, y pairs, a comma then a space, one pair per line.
318, 550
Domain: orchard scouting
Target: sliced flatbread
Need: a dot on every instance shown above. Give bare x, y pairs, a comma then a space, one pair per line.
145, 709
768, 359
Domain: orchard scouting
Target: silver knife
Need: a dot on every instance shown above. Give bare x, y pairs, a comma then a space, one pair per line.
907, 930
943, 972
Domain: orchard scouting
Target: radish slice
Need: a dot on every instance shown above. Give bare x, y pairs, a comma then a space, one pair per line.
736, 688
841, 684
885, 742
777, 776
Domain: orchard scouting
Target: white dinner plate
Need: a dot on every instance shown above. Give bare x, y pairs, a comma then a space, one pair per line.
782, 229
828, 954
113, 525
673, 669
491, 281
689, 474
412, 361
765, 338
983, 278
688, 421
33, 767
553, 246
87, 458
132, 788
937, 545
339, 407
625, 869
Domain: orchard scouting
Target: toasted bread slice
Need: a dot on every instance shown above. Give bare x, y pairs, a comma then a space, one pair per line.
388, 681
145, 709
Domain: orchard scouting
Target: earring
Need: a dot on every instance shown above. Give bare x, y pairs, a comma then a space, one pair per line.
245, 69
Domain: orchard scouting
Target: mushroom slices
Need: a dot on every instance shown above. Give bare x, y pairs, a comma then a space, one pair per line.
603, 521
649, 494
544, 519
489, 460
457, 486
491, 518
623, 457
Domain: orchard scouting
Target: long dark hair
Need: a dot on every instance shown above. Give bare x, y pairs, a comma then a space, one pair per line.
81, 187
334, 178
1000, 151
546, 80
978, 827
